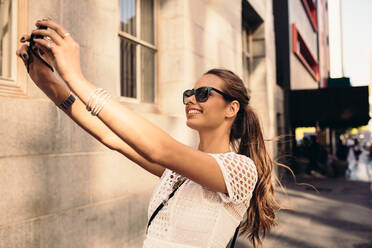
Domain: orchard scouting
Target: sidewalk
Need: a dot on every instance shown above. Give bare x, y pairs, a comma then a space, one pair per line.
339, 216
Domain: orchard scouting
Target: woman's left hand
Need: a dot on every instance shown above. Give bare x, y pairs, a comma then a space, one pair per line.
65, 50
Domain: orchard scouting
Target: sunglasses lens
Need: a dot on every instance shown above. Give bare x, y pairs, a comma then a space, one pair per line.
187, 94
202, 94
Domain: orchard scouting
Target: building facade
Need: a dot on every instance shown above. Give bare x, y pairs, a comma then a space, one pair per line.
60, 187
302, 55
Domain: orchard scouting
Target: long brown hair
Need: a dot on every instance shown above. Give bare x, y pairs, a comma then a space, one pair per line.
246, 138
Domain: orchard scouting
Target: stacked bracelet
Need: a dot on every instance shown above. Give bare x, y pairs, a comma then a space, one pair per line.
97, 99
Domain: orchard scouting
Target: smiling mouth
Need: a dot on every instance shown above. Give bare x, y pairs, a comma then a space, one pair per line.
193, 112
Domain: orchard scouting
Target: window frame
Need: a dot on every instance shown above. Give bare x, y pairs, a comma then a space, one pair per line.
16, 85
306, 56
247, 35
139, 42
311, 12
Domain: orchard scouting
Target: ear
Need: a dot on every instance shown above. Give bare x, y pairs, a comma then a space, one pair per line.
232, 109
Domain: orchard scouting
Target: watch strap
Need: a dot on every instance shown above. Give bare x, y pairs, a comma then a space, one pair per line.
68, 102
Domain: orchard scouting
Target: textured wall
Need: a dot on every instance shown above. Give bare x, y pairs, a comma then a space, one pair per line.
196, 35
263, 78
59, 186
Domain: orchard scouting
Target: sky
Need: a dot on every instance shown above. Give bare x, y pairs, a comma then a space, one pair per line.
357, 40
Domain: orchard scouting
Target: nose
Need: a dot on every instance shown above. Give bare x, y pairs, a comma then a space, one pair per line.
191, 99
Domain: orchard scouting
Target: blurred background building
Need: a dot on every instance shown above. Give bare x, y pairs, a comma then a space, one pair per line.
62, 188
314, 101
302, 56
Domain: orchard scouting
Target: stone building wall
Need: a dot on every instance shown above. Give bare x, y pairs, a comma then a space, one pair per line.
59, 186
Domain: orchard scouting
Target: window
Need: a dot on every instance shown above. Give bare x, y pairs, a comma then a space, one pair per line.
13, 24
247, 54
311, 12
138, 50
302, 52
253, 41
8, 40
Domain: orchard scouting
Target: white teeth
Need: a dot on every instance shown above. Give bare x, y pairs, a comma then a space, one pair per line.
193, 111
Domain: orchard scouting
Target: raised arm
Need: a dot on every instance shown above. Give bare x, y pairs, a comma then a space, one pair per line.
57, 91
144, 137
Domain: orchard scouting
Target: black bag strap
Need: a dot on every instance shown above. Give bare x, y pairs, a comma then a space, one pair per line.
232, 244
162, 205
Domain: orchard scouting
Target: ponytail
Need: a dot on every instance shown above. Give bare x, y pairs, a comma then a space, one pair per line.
261, 212
246, 137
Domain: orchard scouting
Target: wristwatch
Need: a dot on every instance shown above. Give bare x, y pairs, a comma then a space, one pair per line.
68, 102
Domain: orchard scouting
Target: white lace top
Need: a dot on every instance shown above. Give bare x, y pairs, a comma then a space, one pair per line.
196, 216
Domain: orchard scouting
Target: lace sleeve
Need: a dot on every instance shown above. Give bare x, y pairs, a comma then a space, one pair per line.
240, 176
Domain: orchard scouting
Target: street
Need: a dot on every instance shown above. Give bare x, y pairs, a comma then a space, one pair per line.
339, 215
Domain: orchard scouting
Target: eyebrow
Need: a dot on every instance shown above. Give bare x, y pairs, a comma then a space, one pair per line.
206, 86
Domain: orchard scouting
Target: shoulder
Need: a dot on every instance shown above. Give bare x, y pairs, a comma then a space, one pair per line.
240, 175
245, 161
236, 160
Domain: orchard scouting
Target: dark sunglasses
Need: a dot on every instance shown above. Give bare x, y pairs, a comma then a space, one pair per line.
202, 94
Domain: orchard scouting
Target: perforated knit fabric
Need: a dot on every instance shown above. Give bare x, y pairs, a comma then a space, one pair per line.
196, 216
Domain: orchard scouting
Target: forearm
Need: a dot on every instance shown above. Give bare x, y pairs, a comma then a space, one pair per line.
143, 136
57, 91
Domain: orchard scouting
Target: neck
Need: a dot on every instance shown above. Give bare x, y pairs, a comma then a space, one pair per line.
214, 141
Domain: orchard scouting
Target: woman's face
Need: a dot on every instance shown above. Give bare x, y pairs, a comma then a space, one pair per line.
209, 114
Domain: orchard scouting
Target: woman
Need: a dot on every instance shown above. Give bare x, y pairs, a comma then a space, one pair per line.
215, 189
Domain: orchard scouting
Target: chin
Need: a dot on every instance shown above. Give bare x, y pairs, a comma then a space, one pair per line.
195, 124
191, 125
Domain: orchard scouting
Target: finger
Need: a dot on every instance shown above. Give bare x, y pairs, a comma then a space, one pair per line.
23, 49
45, 53
41, 49
22, 52
24, 57
46, 44
61, 31
48, 32
25, 38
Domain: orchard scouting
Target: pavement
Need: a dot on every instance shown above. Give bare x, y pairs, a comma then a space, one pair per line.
337, 215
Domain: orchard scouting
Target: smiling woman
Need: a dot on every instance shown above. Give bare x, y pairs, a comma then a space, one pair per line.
204, 194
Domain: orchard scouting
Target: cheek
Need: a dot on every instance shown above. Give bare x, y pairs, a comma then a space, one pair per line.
214, 114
